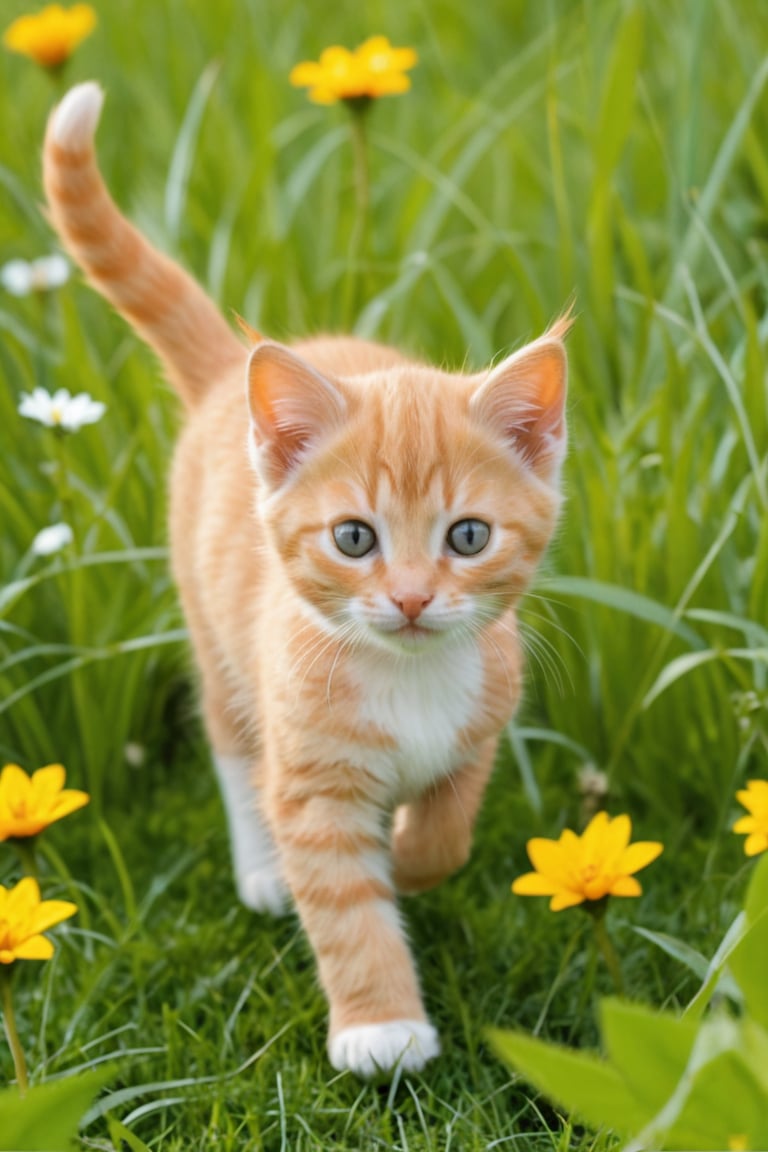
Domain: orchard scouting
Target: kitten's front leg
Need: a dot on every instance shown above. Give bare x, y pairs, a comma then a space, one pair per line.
255, 862
336, 860
432, 836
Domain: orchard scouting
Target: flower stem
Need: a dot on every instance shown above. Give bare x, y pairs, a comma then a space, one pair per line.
607, 950
25, 846
356, 249
11, 1032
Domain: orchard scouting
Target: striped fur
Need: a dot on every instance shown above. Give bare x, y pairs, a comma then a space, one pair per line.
353, 704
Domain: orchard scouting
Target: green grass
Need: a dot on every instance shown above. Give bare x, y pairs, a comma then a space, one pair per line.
615, 153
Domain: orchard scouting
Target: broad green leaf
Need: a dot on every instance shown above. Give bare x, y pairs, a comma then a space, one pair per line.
749, 964
649, 1049
46, 1119
725, 1103
578, 1081
756, 903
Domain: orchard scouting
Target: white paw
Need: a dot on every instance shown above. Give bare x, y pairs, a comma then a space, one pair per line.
264, 890
371, 1048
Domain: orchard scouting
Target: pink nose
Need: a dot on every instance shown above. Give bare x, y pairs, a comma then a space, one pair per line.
412, 604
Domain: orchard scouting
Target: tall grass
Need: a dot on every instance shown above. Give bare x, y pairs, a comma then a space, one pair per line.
613, 154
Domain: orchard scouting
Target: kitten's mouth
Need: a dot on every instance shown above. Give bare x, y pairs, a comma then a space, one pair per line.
414, 632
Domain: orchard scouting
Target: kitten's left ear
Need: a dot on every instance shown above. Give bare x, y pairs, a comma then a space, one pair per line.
292, 408
523, 401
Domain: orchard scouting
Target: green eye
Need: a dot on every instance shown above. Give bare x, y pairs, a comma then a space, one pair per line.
354, 538
468, 537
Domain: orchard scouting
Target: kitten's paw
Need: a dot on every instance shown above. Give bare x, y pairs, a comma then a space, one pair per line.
264, 890
372, 1048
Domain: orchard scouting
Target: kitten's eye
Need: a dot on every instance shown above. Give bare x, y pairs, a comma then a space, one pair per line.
354, 538
468, 537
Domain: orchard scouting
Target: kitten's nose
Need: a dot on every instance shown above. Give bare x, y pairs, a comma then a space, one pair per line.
412, 604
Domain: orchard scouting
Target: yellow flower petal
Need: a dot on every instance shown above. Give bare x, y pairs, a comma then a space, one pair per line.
47, 782
15, 785
23, 917
50, 37
374, 69
625, 886
590, 867
757, 842
565, 900
532, 884
549, 858
35, 948
639, 855
51, 912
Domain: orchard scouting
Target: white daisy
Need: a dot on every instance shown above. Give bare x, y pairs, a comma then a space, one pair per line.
22, 277
52, 539
61, 410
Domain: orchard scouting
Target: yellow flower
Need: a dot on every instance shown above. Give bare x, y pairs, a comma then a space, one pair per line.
755, 799
373, 69
23, 917
50, 37
28, 804
598, 863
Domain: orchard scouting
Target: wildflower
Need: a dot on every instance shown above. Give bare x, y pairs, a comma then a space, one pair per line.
50, 37
373, 69
28, 804
61, 410
23, 277
23, 919
52, 539
755, 799
599, 863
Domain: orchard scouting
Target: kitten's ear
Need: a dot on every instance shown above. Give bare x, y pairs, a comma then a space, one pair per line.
292, 408
523, 400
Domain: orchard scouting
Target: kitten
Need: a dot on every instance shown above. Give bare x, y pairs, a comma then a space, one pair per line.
350, 543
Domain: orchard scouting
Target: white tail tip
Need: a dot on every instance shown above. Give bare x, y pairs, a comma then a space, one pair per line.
74, 121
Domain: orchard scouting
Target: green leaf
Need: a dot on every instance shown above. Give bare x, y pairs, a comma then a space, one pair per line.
756, 902
119, 1134
46, 1119
623, 600
725, 1102
749, 964
649, 1049
577, 1081
698, 964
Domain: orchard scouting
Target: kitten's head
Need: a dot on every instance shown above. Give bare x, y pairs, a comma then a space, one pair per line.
409, 505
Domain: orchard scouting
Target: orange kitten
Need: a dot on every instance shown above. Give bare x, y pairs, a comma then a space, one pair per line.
351, 532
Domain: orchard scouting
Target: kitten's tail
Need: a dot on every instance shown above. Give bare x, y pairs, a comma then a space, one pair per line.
165, 305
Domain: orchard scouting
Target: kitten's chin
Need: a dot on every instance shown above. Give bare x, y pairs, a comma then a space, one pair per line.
411, 639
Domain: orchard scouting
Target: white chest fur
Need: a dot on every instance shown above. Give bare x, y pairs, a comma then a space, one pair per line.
422, 702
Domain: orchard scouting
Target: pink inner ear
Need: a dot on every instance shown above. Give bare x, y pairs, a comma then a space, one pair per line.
523, 400
292, 407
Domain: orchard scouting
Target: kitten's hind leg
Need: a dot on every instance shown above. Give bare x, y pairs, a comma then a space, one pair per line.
432, 836
260, 884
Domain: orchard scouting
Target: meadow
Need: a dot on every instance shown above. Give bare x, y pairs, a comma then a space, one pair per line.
613, 155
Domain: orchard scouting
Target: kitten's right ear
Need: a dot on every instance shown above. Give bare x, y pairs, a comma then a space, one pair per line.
292, 408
